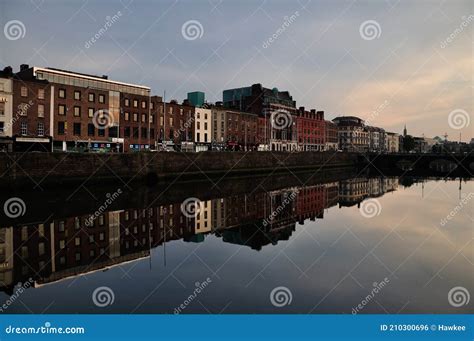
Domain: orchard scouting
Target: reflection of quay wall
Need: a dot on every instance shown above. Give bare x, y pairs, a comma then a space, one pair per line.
64, 248
57, 169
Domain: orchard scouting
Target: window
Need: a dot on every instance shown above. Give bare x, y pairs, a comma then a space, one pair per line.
101, 98
127, 131
135, 103
127, 116
23, 109
152, 118
91, 97
77, 241
90, 129
2, 128
40, 110
60, 128
152, 105
113, 132
77, 95
41, 249
24, 128
24, 91
40, 93
2, 109
77, 129
143, 118
61, 109
135, 117
90, 112
62, 93
40, 129
144, 133
101, 132
91, 238
77, 111
135, 132
127, 102
143, 105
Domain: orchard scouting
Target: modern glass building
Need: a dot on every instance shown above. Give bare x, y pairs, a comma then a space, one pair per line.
196, 98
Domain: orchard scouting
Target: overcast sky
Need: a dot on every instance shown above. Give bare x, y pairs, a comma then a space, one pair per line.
400, 69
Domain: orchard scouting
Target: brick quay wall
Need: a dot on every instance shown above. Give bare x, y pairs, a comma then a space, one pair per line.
61, 169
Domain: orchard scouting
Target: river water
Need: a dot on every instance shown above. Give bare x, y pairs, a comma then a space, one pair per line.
357, 245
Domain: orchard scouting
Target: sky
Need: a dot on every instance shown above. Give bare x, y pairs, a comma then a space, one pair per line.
389, 62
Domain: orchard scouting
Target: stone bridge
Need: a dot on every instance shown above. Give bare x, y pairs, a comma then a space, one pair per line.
446, 163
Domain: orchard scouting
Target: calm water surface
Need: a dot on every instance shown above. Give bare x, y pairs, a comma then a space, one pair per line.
319, 249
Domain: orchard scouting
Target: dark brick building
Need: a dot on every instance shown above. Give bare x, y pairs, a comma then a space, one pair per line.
311, 130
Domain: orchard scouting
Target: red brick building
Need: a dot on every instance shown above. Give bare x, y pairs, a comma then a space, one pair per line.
310, 127
241, 133
30, 122
84, 112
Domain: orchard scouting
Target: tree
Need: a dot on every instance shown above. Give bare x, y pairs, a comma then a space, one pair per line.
408, 143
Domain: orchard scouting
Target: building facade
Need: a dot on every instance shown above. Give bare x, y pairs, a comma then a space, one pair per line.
6, 109
352, 134
331, 140
203, 129
377, 139
276, 107
392, 142
310, 130
84, 111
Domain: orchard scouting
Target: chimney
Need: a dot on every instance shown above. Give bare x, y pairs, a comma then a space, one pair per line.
24, 67
8, 70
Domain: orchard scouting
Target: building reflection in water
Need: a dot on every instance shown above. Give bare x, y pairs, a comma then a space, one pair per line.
66, 248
